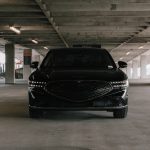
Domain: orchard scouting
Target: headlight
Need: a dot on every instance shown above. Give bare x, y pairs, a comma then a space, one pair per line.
36, 84
120, 84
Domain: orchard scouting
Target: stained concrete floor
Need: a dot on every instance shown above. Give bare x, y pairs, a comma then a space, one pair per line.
73, 130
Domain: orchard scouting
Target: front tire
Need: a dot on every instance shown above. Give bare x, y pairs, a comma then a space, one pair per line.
120, 113
35, 113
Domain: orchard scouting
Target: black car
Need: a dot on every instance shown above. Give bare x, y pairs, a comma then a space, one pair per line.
78, 79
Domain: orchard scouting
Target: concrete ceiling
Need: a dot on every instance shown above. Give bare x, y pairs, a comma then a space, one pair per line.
120, 26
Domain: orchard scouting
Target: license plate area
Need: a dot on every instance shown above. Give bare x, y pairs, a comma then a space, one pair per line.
103, 103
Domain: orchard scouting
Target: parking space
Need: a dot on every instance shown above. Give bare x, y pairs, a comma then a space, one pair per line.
73, 130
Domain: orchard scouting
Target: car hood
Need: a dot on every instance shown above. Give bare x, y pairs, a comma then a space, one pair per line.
106, 75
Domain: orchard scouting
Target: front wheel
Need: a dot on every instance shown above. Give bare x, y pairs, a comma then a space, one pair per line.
120, 113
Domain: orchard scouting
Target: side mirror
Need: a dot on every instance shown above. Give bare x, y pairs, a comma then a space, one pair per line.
34, 64
122, 64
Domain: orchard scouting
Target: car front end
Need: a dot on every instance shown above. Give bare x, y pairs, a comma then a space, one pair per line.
79, 79
78, 95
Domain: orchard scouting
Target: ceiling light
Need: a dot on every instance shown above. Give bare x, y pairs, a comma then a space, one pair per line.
45, 47
141, 47
15, 30
121, 58
34, 41
127, 53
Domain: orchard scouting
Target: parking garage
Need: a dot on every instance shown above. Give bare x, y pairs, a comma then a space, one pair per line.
31, 28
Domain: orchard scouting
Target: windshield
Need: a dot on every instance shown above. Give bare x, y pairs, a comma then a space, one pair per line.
79, 58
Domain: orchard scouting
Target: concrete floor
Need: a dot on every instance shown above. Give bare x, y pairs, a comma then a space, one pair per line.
73, 130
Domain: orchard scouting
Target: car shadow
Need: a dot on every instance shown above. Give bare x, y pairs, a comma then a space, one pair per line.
75, 115
20, 110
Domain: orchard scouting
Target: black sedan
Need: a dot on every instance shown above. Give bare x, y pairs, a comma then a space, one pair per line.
78, 79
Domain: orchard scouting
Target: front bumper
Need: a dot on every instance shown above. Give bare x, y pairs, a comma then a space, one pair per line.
78, 108
39, 99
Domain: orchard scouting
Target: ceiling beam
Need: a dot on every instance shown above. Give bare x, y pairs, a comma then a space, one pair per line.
101, 19
97, 1
132, 39
98, 6
99, 28
17, 2
24, 22
19, 8
28, 28
47, 12
21, 15
41, 44
48, 37
101, 13
100, 23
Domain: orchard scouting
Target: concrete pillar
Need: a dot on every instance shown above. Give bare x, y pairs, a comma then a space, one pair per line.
135, 66
3, 67
41, 58
10, 63
129, 70
36, 58
27, 62
0, 68
143, 63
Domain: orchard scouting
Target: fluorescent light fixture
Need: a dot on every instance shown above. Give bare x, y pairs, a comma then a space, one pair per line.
15, 30
127, 53
141, 47
45, 47
34, 41
121, 58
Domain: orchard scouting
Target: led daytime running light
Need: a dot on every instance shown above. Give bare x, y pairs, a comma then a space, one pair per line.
119, 84
37, 84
